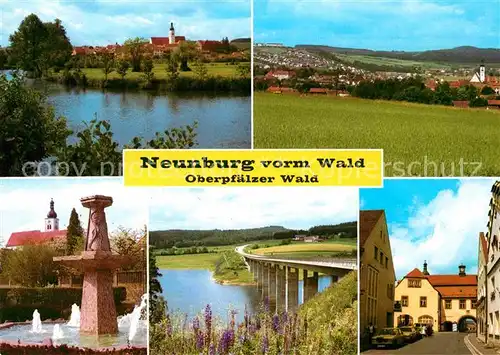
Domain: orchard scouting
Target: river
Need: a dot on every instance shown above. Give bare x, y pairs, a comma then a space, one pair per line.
189, 291
224, 121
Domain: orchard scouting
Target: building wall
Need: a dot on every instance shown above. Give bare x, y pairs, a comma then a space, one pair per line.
414, 309
455, 313
481, 313
377, 280
493, 277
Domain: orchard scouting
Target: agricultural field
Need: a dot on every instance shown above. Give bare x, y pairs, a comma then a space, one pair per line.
390, 61
159, 70
301, 250
418, 140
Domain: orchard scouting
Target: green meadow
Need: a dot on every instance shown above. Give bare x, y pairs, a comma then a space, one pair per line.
160, 72
418, 140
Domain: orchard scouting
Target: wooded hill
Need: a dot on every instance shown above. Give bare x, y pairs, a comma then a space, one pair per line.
215, 237
458, 55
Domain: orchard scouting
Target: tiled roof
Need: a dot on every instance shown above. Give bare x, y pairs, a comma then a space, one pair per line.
34, 237
452, 280
457, 291
367, 221
166, 40
416, 273
493, 102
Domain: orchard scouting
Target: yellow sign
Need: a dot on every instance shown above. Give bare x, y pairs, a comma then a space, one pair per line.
252, 167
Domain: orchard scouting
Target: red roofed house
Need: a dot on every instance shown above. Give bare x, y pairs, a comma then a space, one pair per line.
169, 42
445, 302
377, 277
50, 234
280, 74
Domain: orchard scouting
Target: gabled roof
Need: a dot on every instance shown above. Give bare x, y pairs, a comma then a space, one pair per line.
34, 237
367, 221
416, 273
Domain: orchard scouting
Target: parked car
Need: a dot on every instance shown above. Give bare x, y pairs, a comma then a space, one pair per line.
388, 337
410, 334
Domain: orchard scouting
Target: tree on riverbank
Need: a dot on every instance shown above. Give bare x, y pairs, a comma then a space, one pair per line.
30, 133
36, 46
135, 50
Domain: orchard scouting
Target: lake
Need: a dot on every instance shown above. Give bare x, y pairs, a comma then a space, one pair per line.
224, 121
189, 291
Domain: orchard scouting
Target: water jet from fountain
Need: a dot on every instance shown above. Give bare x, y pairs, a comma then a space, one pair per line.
36, 323
74, 319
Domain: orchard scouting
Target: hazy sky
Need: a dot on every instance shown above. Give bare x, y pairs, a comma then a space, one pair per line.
438, 220
238, 208
95, 22
26, 202
379, 24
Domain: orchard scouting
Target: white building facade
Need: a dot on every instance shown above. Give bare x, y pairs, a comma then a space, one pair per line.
492, 286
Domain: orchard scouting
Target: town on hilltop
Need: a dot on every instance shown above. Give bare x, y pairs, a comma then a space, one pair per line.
321, 70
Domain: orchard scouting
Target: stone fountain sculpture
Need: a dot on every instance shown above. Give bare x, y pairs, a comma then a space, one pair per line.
97, 262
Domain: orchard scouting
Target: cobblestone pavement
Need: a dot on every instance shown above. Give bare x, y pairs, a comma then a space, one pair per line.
438, 344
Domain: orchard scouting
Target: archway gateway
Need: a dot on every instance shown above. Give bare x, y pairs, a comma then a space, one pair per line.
467, 324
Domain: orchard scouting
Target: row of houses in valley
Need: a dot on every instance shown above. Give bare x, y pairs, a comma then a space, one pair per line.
308, 238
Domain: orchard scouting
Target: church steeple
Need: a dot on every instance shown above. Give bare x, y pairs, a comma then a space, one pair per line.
171, 35
51, 222
425, 272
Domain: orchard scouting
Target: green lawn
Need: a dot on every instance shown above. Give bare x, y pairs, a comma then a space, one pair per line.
416, 138
214, 69
188, 261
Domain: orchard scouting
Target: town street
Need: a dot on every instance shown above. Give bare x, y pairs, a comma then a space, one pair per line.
439, 343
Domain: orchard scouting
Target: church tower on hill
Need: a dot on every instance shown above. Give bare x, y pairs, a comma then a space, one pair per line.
171, 35
51, 222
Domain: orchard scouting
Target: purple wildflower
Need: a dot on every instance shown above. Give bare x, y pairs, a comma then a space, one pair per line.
226, 341
265, 345
199, 341
276, 323
196, 324
246, 317
211, 350
208, 324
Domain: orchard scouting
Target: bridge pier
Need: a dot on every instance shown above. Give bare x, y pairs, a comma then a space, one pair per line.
260, 278
310, 285
272, 287
280, 289
265, 281
292, 284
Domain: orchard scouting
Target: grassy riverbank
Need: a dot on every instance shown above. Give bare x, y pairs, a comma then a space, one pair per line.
412, 135
227, 266
218, 78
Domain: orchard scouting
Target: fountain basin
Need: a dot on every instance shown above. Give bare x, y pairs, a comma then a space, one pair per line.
15, 333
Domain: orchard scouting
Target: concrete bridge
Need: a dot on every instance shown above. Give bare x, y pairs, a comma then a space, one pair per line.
278, 279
